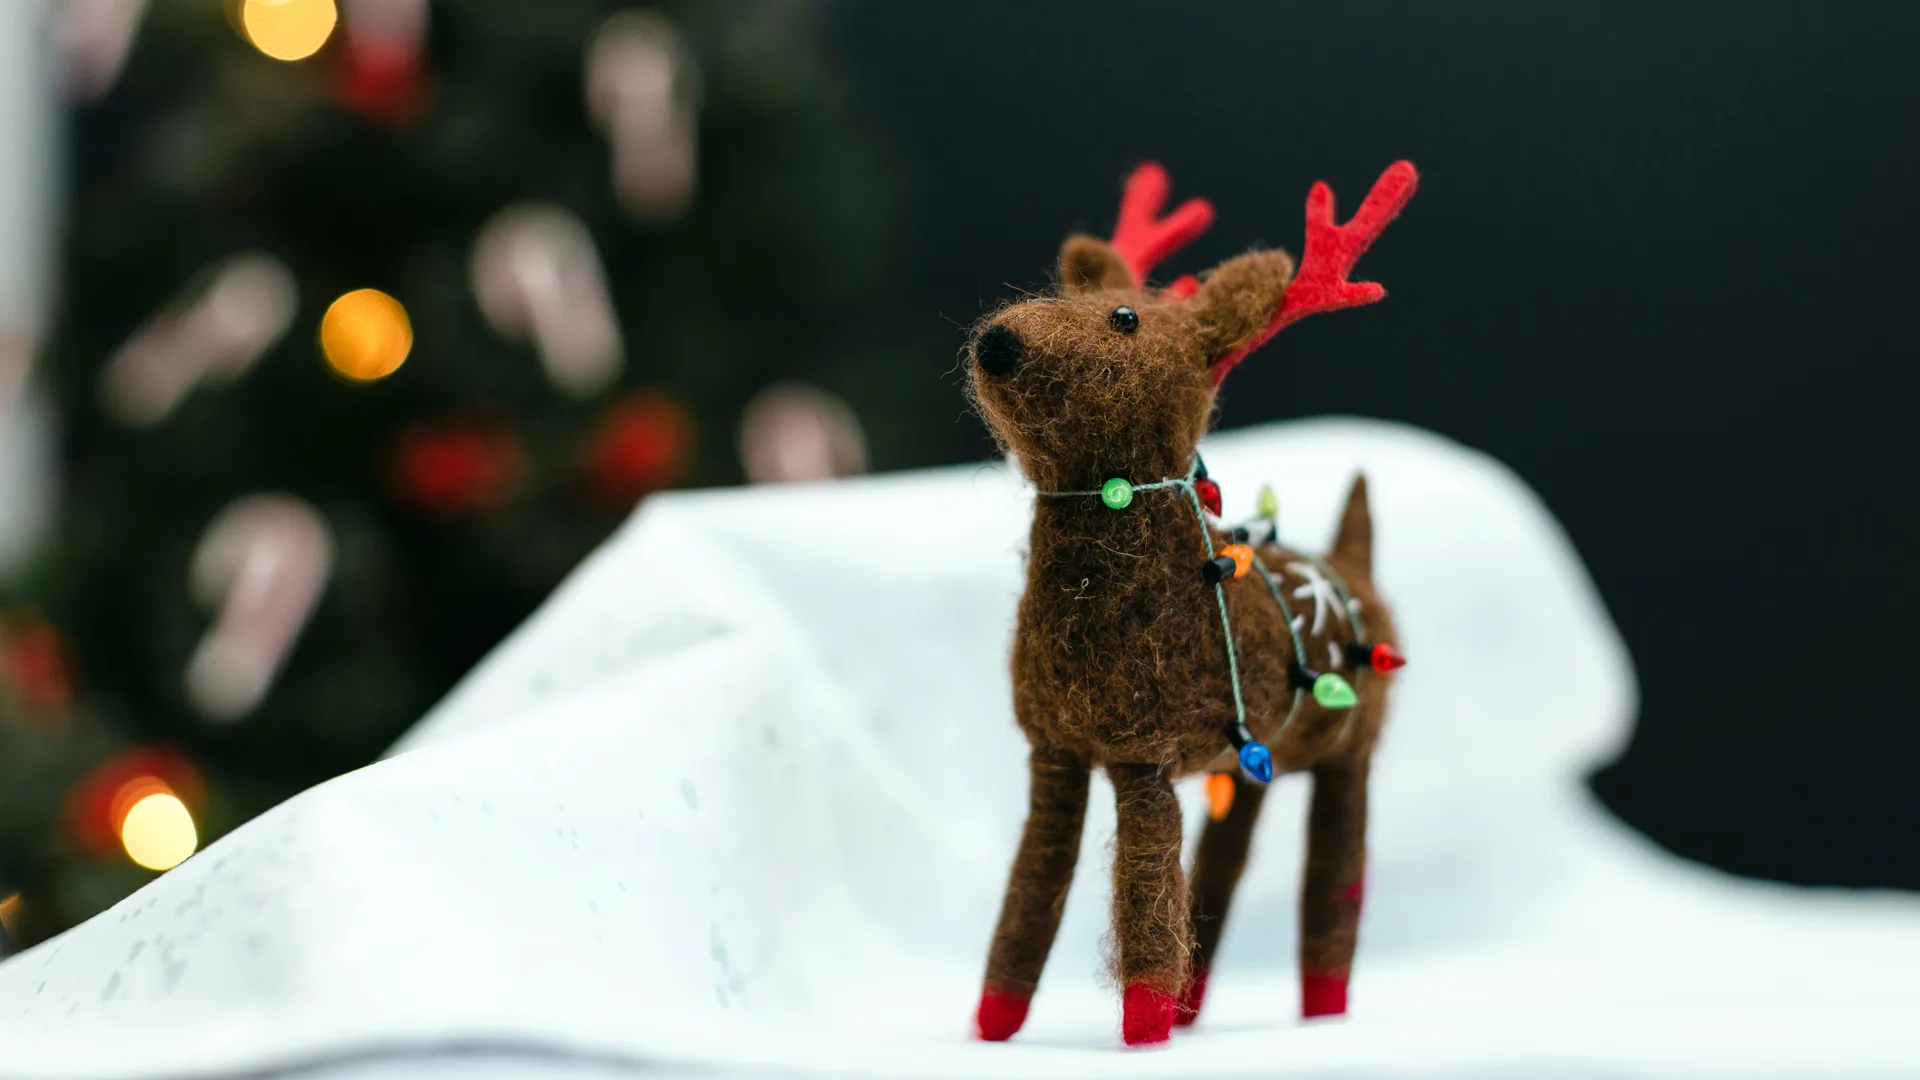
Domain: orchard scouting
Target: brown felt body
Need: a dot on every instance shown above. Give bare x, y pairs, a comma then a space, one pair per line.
1119, 655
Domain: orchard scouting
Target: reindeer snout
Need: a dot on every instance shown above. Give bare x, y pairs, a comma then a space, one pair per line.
998, 351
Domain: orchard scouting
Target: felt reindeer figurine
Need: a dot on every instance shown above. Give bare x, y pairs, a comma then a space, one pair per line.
1153, 642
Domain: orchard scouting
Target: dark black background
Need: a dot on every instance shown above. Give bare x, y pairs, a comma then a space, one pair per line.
1660, 263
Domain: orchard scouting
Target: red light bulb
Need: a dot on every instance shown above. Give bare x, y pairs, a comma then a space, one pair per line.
1386, 658
1209, 492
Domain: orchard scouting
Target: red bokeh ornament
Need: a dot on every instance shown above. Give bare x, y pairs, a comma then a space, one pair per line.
380, 78
33, 662
639, 445
449, 468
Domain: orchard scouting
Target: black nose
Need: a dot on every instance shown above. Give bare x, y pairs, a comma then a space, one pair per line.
998, 351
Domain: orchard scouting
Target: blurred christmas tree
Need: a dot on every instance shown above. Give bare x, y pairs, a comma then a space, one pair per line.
368, 333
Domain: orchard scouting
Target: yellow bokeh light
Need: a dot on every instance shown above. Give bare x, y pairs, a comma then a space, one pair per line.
365, 335
288, 29
158, 832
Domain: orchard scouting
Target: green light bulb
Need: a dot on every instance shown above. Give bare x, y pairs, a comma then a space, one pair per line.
1334, 692
1269, 502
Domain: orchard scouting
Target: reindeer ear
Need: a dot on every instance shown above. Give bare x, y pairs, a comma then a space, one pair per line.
1089, 264
1239, 298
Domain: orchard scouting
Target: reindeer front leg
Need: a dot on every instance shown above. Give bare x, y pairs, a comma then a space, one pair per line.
1331, 892
1036, 889
1216, 872
1149, 901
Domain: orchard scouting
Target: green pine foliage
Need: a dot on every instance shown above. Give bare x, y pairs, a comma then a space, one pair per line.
206, 149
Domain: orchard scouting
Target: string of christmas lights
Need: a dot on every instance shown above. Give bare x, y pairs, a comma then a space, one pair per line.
1236, 559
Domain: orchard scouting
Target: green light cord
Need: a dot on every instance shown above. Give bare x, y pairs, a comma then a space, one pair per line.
1299, 647
1137, 487
1219, 595
1286, 611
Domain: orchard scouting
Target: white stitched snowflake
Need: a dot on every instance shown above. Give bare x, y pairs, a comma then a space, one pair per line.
1321, 590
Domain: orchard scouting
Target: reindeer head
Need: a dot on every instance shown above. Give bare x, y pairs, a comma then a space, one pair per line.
1107, 378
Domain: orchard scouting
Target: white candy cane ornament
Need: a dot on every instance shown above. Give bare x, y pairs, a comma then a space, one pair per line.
262, 564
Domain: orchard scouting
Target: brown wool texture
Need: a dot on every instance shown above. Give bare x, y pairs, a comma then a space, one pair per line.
1119, 659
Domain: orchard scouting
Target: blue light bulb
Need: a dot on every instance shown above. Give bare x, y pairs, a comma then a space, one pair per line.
1258, 763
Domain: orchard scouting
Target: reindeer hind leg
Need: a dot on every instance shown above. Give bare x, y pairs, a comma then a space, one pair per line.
1330, 893
1216, 872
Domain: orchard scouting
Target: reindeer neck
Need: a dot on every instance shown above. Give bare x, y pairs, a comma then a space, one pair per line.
1083, 531
1077, 536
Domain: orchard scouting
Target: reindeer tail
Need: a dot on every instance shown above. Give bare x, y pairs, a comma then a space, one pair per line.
1353, 542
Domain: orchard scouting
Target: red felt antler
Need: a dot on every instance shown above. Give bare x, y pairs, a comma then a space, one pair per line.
1141, 238
1321, 282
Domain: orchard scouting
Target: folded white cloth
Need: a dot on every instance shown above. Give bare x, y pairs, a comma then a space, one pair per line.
741, 798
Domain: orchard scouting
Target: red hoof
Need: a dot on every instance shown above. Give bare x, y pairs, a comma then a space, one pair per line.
1000, 1015
1190, 999
1322, 995
1146, 1015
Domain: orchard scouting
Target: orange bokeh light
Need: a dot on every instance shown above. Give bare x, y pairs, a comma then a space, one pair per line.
365, 335
130, 793
158, 832
288, 29
97, 806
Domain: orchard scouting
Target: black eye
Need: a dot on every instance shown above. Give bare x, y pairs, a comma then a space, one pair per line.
1124, 319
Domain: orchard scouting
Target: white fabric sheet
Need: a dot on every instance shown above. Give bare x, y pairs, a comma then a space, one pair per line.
740, 800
